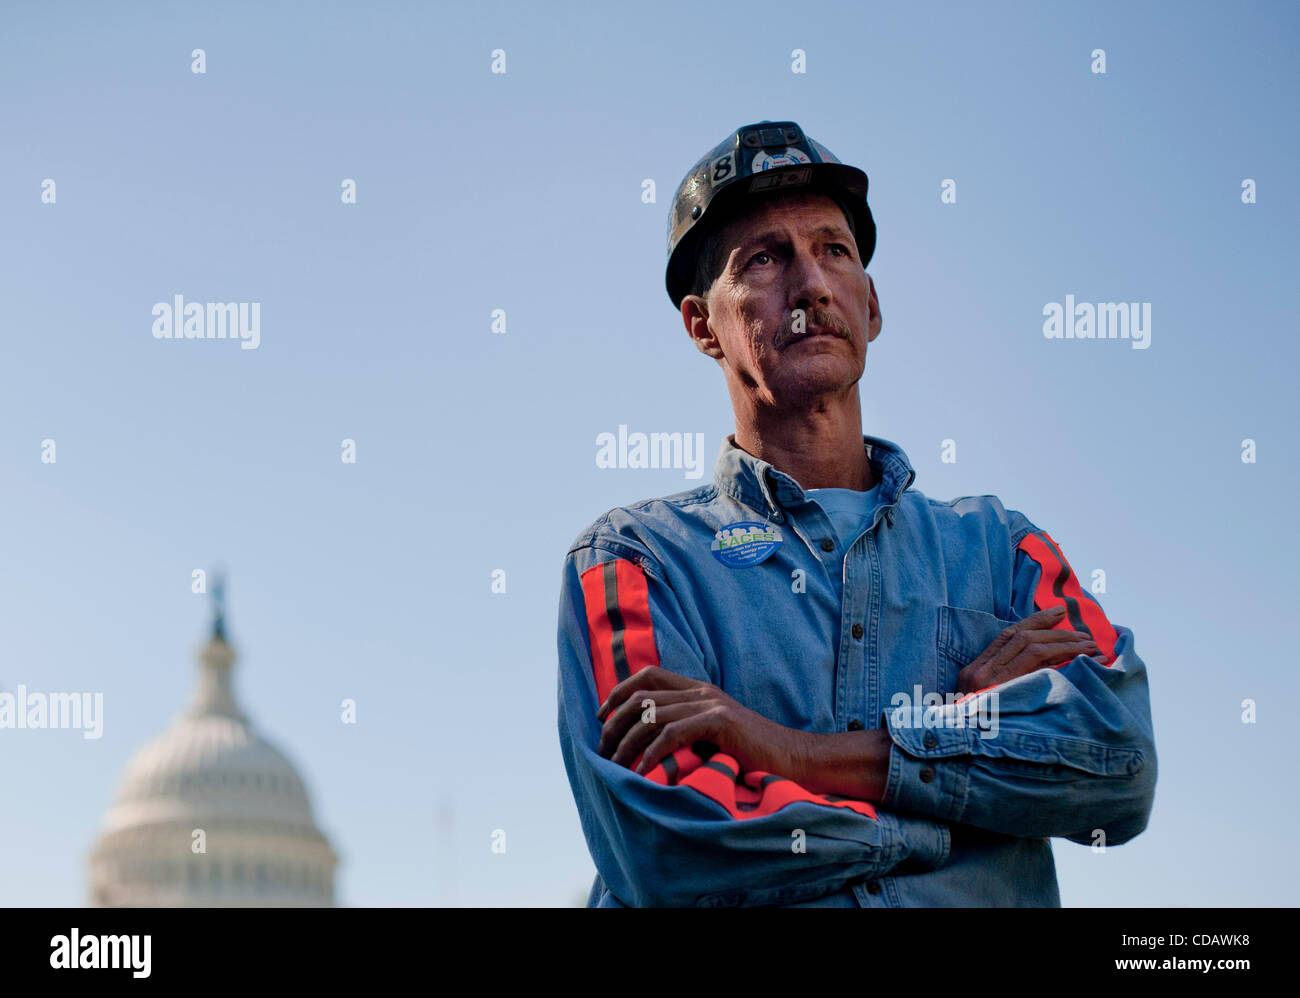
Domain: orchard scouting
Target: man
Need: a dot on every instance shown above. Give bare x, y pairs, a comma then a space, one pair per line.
806, 683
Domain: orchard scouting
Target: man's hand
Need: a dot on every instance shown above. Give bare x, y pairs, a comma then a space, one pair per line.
1026, 646
685, 711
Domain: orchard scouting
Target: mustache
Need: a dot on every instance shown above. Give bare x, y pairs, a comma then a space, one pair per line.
818, 317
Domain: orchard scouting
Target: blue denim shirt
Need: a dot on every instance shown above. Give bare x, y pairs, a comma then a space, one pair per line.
742, 583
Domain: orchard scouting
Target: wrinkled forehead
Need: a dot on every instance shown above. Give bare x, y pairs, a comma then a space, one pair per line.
766, 210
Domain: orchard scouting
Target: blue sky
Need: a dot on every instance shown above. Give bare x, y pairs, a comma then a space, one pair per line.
522, 191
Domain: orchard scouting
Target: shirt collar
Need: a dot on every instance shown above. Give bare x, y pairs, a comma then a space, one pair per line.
758, 484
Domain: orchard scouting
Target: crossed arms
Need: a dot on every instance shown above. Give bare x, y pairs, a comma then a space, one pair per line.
692, 798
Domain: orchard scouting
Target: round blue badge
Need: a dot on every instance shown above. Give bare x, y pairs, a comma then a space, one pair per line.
745, 543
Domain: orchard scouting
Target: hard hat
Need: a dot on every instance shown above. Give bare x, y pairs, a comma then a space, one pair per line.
756, 159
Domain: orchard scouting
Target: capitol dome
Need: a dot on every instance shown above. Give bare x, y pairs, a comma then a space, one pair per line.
211, 814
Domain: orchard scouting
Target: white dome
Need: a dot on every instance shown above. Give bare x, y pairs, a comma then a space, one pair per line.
208, 765
210, 813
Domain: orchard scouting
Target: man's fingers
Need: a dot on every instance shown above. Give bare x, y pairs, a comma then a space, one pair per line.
1043, 618
641, 733
629, 713
1041, 655
1023, 653
654, 677
673, 736
1045, 645
1010, 643
1027, 638
1051, 652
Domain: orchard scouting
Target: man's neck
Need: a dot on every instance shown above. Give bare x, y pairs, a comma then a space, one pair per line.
819, 450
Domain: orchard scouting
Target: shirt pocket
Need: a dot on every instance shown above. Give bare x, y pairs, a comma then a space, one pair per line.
962, 636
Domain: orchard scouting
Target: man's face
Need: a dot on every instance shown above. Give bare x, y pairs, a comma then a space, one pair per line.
787, 253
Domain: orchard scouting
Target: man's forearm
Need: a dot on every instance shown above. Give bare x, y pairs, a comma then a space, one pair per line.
848, 763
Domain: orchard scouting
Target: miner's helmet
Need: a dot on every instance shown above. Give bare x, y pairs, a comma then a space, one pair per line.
753, 160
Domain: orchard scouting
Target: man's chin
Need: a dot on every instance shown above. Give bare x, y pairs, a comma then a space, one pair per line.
800, 392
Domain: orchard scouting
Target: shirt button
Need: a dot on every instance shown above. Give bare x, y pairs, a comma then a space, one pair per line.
873, 886
855, 725
857, 630
828, 545
930, 741
927, 775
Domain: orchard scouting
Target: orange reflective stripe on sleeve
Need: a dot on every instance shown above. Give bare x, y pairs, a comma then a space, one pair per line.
743, 795
1059, 586
617, 599
618, 621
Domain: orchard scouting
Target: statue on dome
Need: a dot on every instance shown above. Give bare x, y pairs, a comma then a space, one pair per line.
219, 608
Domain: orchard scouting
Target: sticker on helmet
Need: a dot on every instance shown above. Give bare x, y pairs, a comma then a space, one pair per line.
745, 543
771, 160
784, 178
721, 170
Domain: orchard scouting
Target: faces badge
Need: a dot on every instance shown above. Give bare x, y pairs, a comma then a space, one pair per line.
745, 543
771, 160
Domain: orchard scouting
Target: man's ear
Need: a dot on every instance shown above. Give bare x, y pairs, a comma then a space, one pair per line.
874, 319
695, 316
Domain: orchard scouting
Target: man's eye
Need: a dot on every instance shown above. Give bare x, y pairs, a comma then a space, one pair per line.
758, 254
841, 246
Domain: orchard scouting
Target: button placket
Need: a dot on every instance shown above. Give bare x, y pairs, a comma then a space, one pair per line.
869, 614
855, 651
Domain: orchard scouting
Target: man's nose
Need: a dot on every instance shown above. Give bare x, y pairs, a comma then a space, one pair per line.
807, 281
